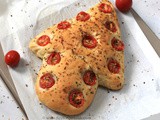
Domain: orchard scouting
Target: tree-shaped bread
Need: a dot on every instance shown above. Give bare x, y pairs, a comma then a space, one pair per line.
78, 55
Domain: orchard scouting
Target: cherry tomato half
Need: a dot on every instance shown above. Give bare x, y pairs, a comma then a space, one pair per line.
124, 5
82, 16
117, 44
105, 8
113, 66
110, 26
46, 81
12, 58
76, 98
54, 58
43, 40
63, 25
89, 78
89, 41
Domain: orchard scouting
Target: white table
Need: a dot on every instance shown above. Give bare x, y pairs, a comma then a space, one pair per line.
9, 110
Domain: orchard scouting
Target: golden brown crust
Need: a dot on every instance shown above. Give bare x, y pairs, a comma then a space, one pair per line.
41, 50
66, 80
76, 58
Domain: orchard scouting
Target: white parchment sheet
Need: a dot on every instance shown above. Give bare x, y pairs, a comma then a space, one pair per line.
140, 97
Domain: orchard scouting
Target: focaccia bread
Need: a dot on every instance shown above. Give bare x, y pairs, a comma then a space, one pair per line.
71, 84
78, 55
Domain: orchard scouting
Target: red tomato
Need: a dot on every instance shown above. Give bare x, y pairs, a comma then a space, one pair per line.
105, 8
114, 66
82, 16
54, 58
124, 5
117, 44
43, 40
76, 98
46, 81
89, 78
63, 25
89, 41
110, 26
12, 58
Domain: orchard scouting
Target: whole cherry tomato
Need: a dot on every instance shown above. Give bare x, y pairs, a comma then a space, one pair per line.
124, 5
12, 58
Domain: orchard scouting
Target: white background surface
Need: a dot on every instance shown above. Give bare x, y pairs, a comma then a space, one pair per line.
134, 101
149, 10
9, 110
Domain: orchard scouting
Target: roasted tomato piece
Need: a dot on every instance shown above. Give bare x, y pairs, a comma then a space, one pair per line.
46, 81
54, 58
76, 98
110, 26
43, 40
89, 41
82, 16
117, 44
105, 8
114, 66
63, 25
89, 78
